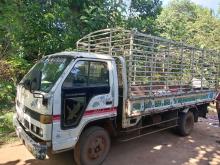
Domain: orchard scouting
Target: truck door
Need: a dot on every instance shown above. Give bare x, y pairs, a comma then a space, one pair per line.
86, 80
86, 91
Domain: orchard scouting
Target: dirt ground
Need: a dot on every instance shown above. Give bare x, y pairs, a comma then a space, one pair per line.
164, 148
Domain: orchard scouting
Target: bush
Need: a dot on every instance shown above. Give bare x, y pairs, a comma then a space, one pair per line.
7, 95
7, 131
11, 72
13, 69
6, 122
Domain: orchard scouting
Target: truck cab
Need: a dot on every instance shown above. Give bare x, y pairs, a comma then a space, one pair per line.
61, 95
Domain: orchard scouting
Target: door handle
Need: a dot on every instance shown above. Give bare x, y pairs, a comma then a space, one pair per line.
108, 102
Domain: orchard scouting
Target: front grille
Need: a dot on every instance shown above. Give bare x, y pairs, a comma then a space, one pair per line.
31, 134
26, 124
34, 115
31, 113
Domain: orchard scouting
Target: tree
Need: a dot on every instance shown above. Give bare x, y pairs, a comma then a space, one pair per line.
30, 29
142, 15
183, 20
205, 30
53, 26
174, 18
105, 14
9, 27
44, 28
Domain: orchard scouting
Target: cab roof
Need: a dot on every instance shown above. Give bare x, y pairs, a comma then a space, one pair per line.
76, 54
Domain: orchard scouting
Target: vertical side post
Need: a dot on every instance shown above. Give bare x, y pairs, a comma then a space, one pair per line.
168, 68
110, 43
152, 67
130, 71
181, 68
77, 45
89, 40
202, 68
192, 67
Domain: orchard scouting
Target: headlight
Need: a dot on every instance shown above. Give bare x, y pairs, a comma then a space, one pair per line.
37, 130
46, 119
41, 132
34, 128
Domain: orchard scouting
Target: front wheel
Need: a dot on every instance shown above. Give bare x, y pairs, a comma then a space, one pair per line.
93, 146
186, 123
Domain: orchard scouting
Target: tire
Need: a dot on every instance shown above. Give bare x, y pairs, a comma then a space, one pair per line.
186, 123
92, 147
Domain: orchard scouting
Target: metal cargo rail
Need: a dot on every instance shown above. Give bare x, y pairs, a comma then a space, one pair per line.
156, 66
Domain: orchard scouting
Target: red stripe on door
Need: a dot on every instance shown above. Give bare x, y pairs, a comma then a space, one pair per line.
100, 111
91, 112
56, 117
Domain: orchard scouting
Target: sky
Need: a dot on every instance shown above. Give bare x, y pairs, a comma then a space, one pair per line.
212, 4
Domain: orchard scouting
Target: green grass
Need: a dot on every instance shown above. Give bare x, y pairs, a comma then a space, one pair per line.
4, 139
6, 123
7, 131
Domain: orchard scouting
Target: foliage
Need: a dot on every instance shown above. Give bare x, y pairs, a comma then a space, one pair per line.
52, 26
106, 14
143, 14
174, 18
9, 27
13, 69
6, 127
33, 29
6, 122
7, 94
205, 30
183, 20
44, 28
11, 72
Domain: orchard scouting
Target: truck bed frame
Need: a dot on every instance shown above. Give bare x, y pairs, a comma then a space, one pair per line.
161, 74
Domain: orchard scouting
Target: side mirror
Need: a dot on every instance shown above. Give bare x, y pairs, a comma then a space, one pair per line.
27, 83
36, 81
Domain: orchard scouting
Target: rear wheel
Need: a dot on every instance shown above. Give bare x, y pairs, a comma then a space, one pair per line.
93, 146
186, 123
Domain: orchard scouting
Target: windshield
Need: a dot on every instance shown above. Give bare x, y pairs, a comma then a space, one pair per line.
51, 68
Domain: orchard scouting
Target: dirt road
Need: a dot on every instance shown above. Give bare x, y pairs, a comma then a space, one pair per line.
164, 148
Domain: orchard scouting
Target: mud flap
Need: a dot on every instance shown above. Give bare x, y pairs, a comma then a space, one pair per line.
203, 110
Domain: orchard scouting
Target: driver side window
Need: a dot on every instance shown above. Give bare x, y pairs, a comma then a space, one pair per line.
78, 76
87, 73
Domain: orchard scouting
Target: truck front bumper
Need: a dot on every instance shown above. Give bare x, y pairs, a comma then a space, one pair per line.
38, 150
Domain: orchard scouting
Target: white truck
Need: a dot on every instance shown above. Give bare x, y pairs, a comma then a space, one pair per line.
119, 83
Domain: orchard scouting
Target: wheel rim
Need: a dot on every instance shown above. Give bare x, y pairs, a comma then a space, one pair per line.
96, 148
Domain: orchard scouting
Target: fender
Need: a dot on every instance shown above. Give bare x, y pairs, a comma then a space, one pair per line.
103, 122
194, 109
185, 110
